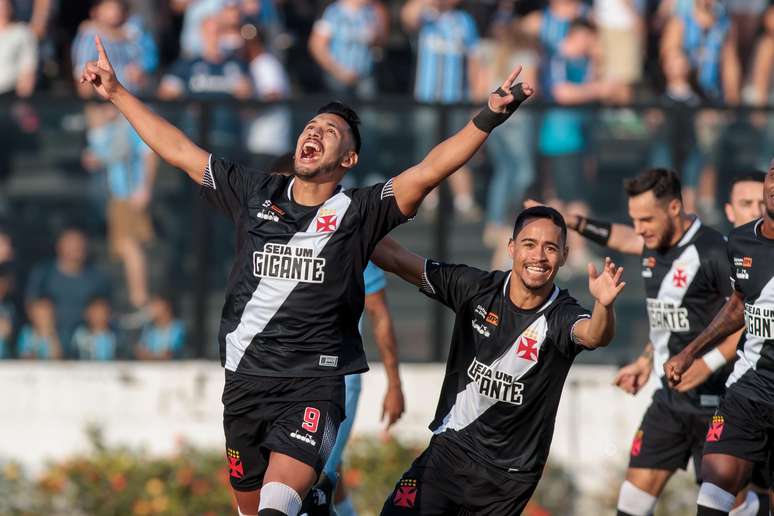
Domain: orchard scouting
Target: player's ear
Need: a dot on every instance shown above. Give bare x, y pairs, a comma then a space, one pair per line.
350, 160
565, 254
729, 213
511, 247
674, 207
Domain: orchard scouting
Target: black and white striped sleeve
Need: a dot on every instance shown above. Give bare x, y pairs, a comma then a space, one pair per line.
379, 212
227, 185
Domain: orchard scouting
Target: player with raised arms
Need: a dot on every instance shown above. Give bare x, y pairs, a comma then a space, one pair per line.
515, 336
741, 433
288, 331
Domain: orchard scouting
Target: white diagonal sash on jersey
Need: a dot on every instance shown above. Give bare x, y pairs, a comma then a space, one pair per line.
470, 404
671, 293
271, 293
753, 344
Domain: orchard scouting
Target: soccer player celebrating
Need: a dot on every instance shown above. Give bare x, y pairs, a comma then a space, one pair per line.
288, 331
515, 337
686, 282
742, 430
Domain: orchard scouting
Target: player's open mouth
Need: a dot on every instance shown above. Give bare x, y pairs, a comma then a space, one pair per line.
311, 150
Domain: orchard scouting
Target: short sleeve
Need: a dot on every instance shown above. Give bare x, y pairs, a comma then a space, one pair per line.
563, 320
379, 212
227, 185
28, 58
326, 24
718, 270
731, 268
451, 284
374, 279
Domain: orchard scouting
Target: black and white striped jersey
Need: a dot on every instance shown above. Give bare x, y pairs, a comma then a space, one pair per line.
751, 258
506, 366
295, 290
685, 287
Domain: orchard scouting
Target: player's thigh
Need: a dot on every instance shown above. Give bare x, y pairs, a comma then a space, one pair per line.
300, 440
246, 461
664, 441
422, 489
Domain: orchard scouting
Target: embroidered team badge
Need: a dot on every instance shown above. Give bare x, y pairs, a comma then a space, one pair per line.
527, 346
326, 221
679, 278
405, 494
715, 429
235, 467
637, 444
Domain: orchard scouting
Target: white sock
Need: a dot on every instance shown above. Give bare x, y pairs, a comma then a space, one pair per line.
713, 497
633, 500
280, 497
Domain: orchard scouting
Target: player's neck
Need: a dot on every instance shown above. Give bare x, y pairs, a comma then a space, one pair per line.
528, 299
684, 223
307, 193
767, 228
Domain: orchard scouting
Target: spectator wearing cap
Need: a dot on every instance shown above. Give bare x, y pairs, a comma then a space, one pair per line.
343, 43
69, 282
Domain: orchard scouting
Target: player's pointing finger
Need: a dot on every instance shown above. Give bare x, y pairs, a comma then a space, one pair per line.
103, 58
509, 81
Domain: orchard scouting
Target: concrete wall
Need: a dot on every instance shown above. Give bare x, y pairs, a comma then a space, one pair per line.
44, 408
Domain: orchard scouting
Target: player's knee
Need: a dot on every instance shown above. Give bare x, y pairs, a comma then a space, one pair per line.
714, 500
278, 499
633, 501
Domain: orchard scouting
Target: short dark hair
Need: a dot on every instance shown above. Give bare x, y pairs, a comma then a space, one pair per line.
539, 212
755, 176
663, 182
349, 116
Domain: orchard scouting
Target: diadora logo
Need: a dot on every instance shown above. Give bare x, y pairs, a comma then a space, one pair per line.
304, 438
326, 221
480, 311
480, 328
270, 211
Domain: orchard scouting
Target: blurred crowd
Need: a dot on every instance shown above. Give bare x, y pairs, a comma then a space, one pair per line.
688, 56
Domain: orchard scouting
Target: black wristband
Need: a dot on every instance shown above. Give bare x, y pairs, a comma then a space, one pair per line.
487, 120
595, 230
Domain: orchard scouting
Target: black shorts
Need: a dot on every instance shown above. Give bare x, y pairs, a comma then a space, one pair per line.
298, 417
667, 438
744, 428
445, 480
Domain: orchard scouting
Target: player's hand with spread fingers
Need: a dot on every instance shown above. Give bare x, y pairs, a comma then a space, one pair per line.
605, 285
100, 73
676, 367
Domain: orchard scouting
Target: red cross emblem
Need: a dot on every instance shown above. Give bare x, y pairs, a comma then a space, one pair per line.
405, 496
235, 467
679, 279
637, 444
326, 223
716, 428
527, 349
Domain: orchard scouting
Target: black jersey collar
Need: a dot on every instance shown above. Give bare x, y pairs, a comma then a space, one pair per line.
692, 229
546, 304
289, 191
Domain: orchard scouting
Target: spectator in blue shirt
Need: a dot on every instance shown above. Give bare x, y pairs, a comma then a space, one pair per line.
69, 282
213, 75
552, 23
164, 337
446, 60
95, 340
39, 338
343, 42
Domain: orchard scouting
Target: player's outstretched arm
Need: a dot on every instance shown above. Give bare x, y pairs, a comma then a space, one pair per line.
618, 237
605, 286
412, 185
394, 258
384, 334
729, 320
165, 139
